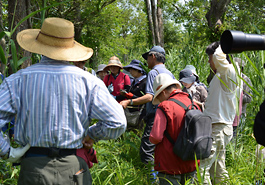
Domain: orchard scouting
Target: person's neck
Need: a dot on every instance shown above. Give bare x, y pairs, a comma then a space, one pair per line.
138, 75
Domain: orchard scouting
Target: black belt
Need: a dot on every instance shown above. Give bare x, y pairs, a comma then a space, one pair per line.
49, 152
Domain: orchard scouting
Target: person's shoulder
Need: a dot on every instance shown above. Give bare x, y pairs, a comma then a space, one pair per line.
152, 73
180, 96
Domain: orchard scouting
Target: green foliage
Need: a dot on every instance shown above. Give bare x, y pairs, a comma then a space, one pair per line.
121, 29
119, 160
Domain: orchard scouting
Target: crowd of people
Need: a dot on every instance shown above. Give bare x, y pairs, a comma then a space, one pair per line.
56, 101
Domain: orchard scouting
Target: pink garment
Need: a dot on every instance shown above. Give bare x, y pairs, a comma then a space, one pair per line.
237, 118
88, 155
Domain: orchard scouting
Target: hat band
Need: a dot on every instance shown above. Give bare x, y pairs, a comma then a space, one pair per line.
114, 61
52, 40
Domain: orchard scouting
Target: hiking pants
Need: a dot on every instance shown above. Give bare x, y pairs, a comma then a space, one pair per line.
147, 148
214, 165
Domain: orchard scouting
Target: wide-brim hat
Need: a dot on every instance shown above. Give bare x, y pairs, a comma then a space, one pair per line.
55, 40
154, 49
135, 64
193, 69
101, 68
186, 76
113, 62
161, 82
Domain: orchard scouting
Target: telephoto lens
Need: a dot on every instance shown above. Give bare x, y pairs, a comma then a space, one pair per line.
237, 41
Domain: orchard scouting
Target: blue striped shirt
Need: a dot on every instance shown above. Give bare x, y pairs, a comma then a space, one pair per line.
54, 102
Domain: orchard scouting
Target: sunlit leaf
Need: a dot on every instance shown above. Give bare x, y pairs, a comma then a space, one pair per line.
20, 61
2, 55
2, 34
14, 55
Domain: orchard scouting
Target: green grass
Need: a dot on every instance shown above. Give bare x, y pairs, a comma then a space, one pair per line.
119, 160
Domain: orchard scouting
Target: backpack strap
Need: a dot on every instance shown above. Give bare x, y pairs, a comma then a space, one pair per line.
192, 105
166, 132
108, 78
184, 107
157, 71
179, 103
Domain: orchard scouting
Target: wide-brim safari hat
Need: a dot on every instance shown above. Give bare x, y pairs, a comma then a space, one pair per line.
135, 64
114, 61
55, 40
161, 82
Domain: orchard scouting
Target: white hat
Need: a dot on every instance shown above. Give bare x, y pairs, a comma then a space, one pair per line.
161, 82
101, 67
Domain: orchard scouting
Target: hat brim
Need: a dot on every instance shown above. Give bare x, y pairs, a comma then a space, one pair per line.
27, 40
132, 66
99, 71
188, 80
107, 67
155, 100
145, 55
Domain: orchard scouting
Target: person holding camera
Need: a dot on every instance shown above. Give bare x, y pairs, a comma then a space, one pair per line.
220, 105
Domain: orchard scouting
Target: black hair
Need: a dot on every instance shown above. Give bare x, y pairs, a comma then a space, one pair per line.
212, 47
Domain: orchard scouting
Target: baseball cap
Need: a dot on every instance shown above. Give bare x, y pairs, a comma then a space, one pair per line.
154, 49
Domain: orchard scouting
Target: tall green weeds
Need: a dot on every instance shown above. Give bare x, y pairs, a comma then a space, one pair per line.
119, 160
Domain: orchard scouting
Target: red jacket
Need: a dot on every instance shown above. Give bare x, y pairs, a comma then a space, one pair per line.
165, 160
117, 83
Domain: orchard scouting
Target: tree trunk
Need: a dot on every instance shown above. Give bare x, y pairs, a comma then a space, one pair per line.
218, 8
150, 20
17, 10
155, 22
160, 23
78, 22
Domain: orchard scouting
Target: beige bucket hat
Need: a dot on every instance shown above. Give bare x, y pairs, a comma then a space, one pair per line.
55, 40
161, 82
113, 61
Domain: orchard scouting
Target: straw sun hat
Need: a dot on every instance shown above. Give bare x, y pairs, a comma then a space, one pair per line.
113, 61
55, 40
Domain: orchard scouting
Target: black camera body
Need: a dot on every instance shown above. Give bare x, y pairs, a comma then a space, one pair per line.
237, 41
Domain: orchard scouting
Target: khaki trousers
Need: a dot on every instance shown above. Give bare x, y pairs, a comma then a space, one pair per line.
51, 171
214, 166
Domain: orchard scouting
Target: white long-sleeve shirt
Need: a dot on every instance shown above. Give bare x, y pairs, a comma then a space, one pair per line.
221, 101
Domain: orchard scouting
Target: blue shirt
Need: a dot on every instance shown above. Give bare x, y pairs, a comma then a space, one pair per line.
160, 68
139, 79
54, 103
